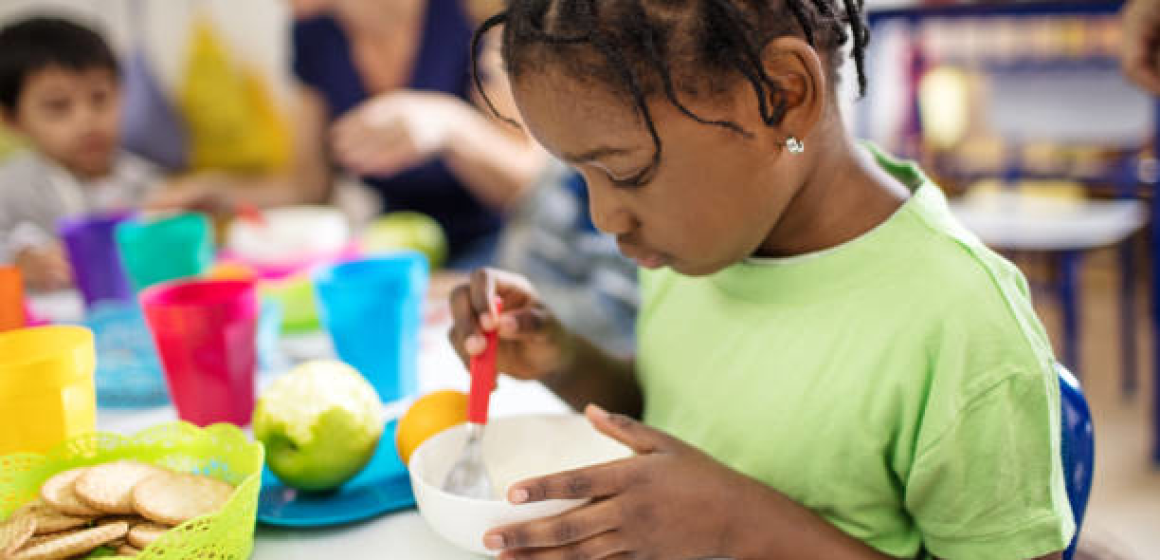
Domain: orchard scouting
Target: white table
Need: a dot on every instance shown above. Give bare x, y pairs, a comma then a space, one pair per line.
402, 534
1013, 221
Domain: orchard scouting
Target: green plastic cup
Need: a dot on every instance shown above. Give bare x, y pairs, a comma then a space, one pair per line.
170, 248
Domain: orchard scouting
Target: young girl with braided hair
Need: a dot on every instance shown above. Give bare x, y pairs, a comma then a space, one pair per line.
828, 366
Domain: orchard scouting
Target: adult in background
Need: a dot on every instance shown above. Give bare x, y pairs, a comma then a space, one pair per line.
384, 91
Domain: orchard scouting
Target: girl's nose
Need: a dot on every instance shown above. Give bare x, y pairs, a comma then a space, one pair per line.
609, 214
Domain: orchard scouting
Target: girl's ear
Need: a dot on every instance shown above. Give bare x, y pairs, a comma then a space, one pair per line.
802, 87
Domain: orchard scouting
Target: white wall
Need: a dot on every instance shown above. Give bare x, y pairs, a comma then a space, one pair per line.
256, 30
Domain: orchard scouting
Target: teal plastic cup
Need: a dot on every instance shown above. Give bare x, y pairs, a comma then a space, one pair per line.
169, 248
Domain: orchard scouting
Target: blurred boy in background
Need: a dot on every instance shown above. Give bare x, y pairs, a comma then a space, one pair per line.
59, 89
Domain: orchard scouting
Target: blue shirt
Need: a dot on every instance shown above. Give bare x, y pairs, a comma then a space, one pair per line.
323, 61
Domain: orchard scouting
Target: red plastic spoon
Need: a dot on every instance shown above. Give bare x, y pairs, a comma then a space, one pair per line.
469, 476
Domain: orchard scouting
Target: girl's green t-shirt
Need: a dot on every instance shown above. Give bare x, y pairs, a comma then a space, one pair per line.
898, 385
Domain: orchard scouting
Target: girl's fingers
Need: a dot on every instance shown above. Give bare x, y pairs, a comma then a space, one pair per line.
465, 332
599, 481
523, 323
576, 526
483, 294
489, 286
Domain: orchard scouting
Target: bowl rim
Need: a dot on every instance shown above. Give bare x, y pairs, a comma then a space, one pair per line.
418, 457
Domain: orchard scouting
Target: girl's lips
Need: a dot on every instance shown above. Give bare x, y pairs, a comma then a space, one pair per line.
652, 262
643, 257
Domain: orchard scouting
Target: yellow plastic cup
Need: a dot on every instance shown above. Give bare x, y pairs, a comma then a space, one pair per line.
46, 387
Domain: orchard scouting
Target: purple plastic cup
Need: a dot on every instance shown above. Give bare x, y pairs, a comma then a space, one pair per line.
93, 254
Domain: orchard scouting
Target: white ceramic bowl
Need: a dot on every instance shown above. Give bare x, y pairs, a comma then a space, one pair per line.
514, 448
289, 235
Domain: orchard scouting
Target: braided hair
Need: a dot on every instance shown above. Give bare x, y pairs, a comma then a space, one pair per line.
642, 48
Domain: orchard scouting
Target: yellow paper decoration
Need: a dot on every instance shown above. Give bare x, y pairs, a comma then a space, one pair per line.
233, 122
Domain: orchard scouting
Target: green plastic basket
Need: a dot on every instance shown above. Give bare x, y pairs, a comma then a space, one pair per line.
222, 451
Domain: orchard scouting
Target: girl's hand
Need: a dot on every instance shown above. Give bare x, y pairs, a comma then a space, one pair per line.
395, 131
532, 342
668, 501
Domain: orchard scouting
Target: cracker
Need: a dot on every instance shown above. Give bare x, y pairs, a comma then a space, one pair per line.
131, 520
58, 493
14, 533
31, 542
72, 543
146, 534
173, 498
128, 550
109, 487
36, 502
48, 520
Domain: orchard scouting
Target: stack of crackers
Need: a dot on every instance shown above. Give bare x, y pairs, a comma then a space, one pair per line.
124, 506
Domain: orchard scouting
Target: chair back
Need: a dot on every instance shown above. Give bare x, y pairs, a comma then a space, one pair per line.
1078, 447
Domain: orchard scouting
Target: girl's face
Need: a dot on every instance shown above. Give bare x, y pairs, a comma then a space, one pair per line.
711, 201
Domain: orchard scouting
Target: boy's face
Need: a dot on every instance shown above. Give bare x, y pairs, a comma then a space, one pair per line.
72, 117
711, 201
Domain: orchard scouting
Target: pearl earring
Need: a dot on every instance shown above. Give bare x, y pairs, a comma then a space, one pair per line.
794, 145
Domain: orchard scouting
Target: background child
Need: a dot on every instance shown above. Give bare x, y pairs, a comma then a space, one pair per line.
59, 89
829, 366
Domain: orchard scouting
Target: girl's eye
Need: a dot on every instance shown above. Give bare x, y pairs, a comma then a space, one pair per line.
636, 180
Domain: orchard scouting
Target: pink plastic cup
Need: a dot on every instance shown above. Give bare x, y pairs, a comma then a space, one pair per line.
204, 331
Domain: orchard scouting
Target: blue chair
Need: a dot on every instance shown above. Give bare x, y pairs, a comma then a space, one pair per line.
1078, 446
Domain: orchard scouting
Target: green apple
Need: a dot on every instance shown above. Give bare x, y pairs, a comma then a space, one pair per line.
320, 423
407, 230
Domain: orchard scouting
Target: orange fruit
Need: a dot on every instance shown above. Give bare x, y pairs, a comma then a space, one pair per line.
430, 414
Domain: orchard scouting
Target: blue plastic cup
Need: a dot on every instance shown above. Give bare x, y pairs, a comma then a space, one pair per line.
96, 262
373, 310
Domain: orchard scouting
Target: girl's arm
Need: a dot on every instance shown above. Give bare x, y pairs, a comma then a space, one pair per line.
669, 500
593, 376
787, 529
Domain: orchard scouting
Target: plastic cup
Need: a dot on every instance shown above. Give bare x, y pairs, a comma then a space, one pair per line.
96, 262
155, 251
373, 310
12, 314
46, 387
205, 334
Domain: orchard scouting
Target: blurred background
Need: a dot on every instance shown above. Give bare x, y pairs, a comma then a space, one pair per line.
1018, 110
255, 32
1021, 113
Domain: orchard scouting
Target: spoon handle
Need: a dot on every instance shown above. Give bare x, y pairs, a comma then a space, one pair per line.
483, 373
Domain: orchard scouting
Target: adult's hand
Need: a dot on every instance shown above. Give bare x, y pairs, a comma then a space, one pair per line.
1141, 43
394, 131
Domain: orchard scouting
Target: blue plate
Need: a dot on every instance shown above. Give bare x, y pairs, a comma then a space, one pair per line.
383, 486
128, 375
